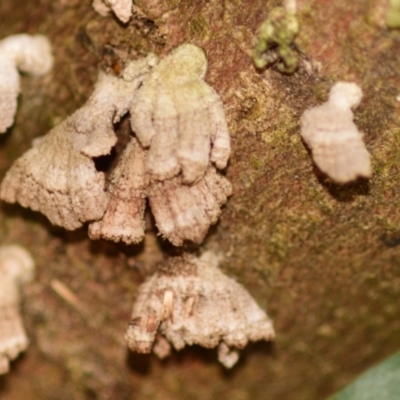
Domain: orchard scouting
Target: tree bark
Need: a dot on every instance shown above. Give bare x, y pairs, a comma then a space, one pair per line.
321, 258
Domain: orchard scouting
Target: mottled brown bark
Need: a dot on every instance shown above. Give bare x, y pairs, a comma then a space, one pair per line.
322, 259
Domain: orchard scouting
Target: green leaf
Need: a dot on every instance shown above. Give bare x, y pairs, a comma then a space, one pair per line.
381, 382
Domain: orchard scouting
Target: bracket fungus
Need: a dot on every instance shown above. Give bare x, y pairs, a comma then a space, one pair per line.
30, 54
185, 212
336, 144
58, 176
184, 204
181, 212
180, 118
121, 8
127, 189
16, 268
189, 301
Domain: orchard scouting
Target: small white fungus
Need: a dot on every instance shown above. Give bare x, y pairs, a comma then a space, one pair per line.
336, 144
121, 8
29, 54
16, 268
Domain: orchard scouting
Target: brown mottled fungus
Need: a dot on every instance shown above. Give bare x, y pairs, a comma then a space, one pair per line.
337, 145
58, 176
190, 301
30, 54
16, 268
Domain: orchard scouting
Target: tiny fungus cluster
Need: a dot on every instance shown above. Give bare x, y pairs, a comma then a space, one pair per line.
173, 160
173, 163
179, 143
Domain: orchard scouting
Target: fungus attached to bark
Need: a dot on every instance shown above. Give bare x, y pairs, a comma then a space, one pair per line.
189, 301
181, 212
127, 189
185, 212
180, 118
30, 54
121, 8
336, 144
16, 268
58, 176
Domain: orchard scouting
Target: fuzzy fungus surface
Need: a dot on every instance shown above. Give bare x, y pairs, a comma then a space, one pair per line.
336, 143
29, 54
58, 177
180, 118
16, 268
190, 301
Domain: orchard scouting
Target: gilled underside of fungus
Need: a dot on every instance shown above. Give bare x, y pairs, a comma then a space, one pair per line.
181, 212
